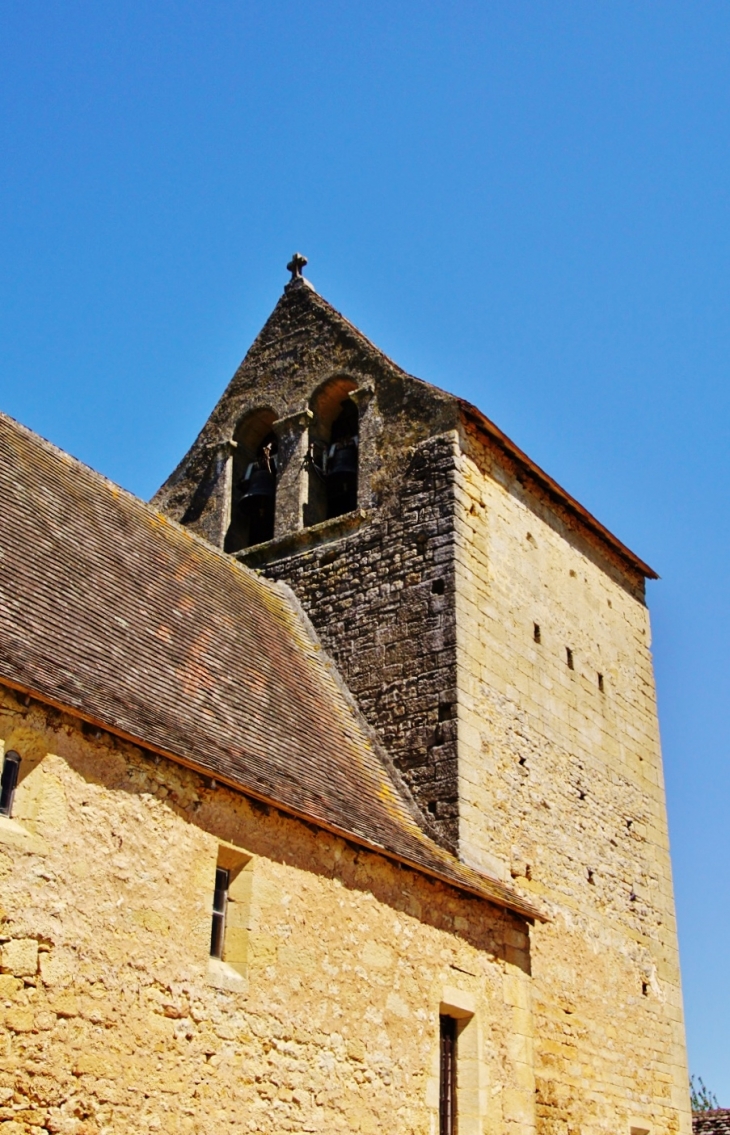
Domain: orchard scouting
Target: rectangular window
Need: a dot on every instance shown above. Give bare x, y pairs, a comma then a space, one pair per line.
447, 1073
220, 902
8, 782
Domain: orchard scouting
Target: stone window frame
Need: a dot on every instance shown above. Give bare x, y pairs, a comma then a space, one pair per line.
231, 969
460, 1005
251, 429
325, 404
9, 782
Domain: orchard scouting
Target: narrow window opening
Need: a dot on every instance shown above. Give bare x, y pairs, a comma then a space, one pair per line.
600, 682
257, 494
433, 807
341, 464
591, 878
255, 464
220, 903
438, 587
645, 988
447, 1076
536, 632
9, 781
332, 460
569, 658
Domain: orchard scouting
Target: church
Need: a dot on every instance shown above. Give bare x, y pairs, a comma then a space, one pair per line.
332, 794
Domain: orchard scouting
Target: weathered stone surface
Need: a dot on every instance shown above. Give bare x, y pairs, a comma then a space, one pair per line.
19, 956
380, 599
497, 639
336, 1027
560, 781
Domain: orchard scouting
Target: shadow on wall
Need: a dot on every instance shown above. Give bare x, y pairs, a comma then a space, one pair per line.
261, 830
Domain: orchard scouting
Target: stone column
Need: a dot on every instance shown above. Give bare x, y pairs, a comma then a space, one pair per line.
291, 477
209, 511
368, 429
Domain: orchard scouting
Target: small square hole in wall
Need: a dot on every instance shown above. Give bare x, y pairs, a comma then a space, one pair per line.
438, 587
569, 658
536, 632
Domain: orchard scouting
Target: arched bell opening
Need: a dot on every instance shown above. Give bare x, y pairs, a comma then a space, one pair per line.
333, 452
253, 497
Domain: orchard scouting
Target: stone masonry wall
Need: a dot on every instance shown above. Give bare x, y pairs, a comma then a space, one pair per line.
561, 785
382, 601
113, 1018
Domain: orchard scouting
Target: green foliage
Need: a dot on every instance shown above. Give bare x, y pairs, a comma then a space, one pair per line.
702, 1098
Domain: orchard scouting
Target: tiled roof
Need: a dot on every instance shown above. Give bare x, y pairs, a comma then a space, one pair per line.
110, 610
715, 1122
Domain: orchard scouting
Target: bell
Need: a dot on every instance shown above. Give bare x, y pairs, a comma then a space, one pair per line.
342, 480
261, 483
344, 461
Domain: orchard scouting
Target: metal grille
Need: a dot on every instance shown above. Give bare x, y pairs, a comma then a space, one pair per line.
447, 1095
11, 766
220, 901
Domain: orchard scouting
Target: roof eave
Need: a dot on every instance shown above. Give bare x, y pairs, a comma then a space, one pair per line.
555, 490
493, 891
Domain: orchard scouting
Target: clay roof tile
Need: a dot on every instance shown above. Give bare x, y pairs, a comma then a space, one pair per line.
114, 612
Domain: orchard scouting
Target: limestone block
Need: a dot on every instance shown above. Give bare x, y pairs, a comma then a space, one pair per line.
94, 1064
19, 956
19, 1020
65, 1004
377, 955
517, 1106
17, 837
56, 967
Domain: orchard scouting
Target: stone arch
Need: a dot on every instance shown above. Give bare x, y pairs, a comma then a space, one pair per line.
333, 451
253, 483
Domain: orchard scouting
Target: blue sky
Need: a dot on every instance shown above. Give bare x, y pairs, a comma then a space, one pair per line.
526, 203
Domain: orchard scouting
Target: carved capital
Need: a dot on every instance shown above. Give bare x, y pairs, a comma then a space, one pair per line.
362, 396
222, 450
292, 424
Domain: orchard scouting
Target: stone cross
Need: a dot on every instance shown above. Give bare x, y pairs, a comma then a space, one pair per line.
295, 266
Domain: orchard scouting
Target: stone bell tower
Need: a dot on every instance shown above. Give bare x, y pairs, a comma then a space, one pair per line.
496, 637
327, 466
